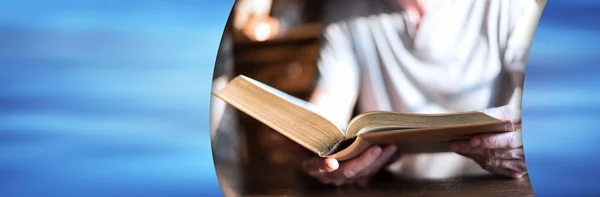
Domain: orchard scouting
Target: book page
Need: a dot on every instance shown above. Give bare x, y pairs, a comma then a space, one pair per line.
281, 112
296, 101
384, 121
434, 139
283, 95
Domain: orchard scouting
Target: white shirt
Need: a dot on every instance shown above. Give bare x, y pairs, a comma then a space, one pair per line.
465, 55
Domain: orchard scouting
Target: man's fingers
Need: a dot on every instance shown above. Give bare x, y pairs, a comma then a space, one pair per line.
340, 182
463, 146
329, 171
508, 167
365, 174
320, 165
350, 168
386, 154
512, 165
357, 170
514, 153
498, 140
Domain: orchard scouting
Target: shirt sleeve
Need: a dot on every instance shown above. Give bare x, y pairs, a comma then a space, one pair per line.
524, 17
337, 88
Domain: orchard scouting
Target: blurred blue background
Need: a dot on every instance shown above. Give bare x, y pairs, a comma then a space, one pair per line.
561, 103
110, 98
107, 98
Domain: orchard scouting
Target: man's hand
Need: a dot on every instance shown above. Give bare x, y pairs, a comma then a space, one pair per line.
500, 153
355, 171
358, 170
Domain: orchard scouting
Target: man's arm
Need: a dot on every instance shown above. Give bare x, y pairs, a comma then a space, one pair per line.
498, 153
335, 97
503, 153
337, 88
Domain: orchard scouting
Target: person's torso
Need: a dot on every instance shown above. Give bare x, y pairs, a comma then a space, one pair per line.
451, 62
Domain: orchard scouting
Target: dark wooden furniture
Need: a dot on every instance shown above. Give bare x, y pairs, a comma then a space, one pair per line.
287, 63
272, 181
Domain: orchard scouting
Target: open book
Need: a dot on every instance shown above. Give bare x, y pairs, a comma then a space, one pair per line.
296, 119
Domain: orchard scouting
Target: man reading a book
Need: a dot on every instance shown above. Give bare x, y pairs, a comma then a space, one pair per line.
425, 56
